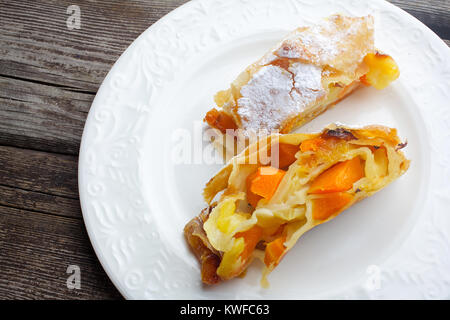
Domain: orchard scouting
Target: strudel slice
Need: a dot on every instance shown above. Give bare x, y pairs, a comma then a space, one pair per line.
311, 69
284, 185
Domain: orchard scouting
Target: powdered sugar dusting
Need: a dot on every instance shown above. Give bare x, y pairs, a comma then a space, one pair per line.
268, 58
289, 49
307, 77
266, 100
274, 95
277, 92
339, 42
307, 82
321, 42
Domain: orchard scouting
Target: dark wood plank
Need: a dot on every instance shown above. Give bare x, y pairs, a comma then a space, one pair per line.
48, 78
37, 116
433, 13
36, 250
36, 171
36, 44
39, 202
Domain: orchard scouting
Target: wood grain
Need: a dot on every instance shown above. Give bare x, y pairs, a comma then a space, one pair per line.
41, 230
433, 13
39, 181
36, 250
35, 43
42, 117
48, 78
39, 202
35, 171
49, 74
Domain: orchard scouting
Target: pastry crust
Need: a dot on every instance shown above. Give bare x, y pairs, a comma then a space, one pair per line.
308, 72
294, 207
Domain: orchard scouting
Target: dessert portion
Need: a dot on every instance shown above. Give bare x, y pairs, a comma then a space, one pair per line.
280, 187
311, 69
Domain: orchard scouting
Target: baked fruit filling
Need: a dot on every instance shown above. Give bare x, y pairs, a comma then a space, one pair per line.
309, 71
266, 207
381, 71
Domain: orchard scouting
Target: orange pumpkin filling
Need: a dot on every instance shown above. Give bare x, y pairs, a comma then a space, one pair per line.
382, 70
220, 120
263, 184
286, 154
251, 239
339, 177
323, 208
275, 250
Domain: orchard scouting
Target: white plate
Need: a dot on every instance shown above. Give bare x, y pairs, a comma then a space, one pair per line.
136, 201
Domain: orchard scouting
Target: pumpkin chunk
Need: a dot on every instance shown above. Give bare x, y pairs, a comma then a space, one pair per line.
339, 177
220, 120
251, 239
323, 208
263, 183
275, 250
312, 144
252, 198
382, 70
287, 154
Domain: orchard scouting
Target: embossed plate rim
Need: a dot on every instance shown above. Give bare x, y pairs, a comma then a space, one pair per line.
105, 106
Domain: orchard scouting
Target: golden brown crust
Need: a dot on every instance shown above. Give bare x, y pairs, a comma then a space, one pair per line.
218, 183
336, 46
293, 206
208, 257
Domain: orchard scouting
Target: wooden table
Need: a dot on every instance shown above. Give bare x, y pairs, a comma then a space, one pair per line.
48, 78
